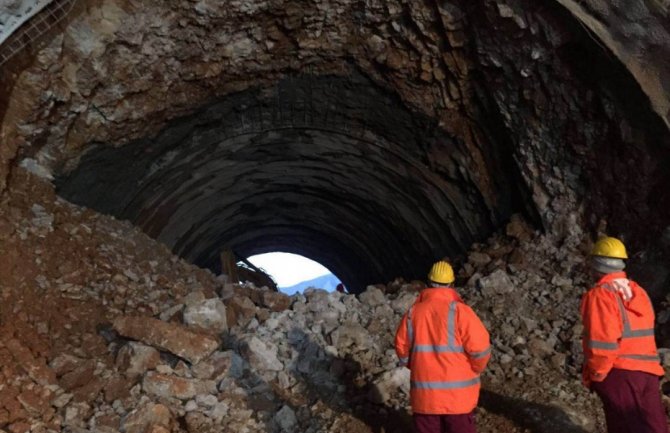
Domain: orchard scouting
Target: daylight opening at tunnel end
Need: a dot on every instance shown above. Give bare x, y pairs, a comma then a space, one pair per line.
294, 273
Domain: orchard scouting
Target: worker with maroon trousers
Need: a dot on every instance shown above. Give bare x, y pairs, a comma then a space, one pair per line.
621, 361
446, 347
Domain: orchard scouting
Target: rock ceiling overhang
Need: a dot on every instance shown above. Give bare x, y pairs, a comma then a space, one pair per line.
521, 79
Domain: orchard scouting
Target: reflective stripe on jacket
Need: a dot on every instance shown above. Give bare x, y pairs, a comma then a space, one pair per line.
446, 347
618, 333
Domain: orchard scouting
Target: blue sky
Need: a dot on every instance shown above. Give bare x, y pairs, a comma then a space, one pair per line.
288, 269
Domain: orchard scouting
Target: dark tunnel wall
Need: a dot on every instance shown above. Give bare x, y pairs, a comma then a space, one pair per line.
327, 167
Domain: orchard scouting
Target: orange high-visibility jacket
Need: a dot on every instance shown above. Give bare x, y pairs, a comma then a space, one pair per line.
446, 347
618, 333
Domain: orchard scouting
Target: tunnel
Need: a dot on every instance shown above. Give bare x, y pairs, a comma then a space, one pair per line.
141, 139
327, 167
375, 137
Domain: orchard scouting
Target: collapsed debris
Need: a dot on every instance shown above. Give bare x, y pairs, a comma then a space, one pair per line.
114, 334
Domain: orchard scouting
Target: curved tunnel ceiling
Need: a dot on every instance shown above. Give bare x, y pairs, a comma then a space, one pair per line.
331, 168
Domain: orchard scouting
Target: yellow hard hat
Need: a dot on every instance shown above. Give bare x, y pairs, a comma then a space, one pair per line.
441, 272
609, 247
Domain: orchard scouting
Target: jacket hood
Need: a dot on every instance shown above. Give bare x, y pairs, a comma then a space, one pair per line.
630, 293
445, 294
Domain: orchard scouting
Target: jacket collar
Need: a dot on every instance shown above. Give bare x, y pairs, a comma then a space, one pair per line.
611, 276
439, 294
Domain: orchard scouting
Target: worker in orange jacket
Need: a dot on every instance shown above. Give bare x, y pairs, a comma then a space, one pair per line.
621, 362
446, 347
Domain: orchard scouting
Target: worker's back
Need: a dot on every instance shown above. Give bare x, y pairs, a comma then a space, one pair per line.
446, 347
618, 319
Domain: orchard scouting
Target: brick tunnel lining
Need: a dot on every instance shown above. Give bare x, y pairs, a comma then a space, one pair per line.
333, 168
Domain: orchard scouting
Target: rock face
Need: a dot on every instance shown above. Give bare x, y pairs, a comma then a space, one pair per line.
439, 122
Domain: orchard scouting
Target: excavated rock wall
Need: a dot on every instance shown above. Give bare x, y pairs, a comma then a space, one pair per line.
539, 112
332, 164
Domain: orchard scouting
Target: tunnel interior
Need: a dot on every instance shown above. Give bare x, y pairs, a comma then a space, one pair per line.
374, 142
332, 168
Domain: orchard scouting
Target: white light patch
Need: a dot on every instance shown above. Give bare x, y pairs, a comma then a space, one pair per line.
288, 269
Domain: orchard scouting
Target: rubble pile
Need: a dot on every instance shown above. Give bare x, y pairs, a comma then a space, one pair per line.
103, 330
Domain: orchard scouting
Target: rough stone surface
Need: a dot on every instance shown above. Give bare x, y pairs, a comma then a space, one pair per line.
170, 337
136, 358
388, 384
372, 296
166, 386
519, 108
149, 414
261, 355
286, 419
498, 283
325, 352
207, 314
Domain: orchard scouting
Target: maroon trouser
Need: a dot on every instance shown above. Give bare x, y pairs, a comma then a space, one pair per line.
632, 402
444, 423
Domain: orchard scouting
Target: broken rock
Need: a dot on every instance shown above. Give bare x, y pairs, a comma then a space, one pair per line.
261, 355
148, 415
168, 386
209, 314
220, 365
285, 419
373, 296
497, 283
275, 301
167, 336
388, 384
136, 359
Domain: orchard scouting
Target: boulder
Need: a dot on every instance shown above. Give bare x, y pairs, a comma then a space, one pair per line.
389, 384
145, 416
497, 283
240, 310
275, 301
260, 355
220, 365
285, 419
136, 359
351, 334
372, 296
167, 336
209, 314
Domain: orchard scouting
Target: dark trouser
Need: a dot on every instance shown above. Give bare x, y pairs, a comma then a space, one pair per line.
632, 402
444, 423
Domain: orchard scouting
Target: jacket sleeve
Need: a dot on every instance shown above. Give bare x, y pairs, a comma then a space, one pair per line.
602, 331
475, 338
402, 342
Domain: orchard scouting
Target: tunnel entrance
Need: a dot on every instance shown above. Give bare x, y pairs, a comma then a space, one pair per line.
333, 168
294, 273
